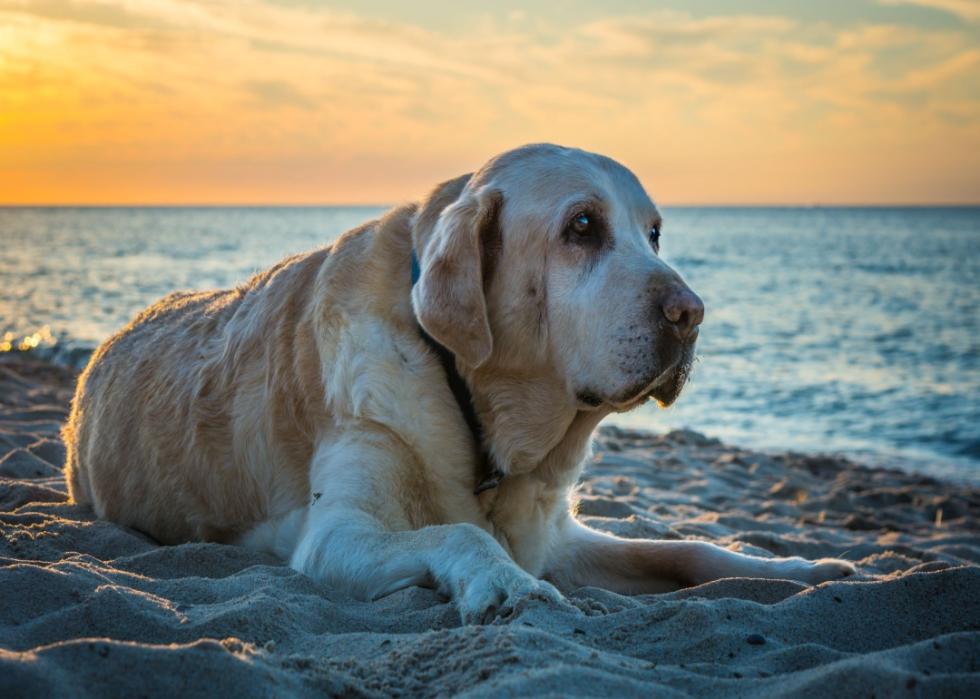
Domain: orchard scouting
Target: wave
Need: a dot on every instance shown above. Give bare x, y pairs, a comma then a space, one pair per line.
46, 346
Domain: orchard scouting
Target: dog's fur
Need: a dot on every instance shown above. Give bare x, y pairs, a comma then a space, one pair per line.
303, 413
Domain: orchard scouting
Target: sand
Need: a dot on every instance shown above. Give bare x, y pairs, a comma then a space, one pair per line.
88, 608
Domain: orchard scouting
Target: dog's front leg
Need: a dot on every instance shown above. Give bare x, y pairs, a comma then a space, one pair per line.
357, 538
584, 556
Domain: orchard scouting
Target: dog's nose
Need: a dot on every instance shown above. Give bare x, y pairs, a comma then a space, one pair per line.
684, 312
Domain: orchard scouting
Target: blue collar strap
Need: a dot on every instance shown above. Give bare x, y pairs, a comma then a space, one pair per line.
416, 270
488, 476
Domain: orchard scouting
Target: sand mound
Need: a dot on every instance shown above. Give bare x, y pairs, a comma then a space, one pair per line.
93, 609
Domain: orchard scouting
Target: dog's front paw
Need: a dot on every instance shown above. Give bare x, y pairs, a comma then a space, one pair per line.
830, 569
496, 590
815, 572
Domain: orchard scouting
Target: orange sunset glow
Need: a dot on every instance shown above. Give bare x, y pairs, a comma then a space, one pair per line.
185, 101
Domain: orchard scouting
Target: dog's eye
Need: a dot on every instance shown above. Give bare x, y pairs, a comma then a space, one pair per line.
581, 223
655, 237
583, 227
586, 229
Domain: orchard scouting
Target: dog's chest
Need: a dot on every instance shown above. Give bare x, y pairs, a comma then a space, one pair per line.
524, 516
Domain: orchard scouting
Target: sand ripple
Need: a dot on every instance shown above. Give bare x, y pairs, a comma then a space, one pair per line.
92, 609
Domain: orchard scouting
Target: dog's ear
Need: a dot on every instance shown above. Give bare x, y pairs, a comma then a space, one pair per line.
453, 254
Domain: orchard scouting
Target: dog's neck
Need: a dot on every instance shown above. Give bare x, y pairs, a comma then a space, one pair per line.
530, 424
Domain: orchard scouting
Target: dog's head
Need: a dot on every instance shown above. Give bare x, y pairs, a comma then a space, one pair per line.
549, 256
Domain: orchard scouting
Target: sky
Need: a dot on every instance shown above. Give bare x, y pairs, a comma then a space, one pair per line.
374, 101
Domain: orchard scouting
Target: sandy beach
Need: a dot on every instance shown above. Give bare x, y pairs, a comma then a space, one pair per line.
93, 609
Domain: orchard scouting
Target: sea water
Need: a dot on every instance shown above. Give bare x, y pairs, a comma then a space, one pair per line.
847, 330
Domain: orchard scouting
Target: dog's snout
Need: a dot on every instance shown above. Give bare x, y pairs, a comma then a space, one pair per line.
684, 312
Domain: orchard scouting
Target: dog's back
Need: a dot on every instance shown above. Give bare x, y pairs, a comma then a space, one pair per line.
189, 392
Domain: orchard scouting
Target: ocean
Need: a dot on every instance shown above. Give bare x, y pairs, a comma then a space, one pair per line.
852, 331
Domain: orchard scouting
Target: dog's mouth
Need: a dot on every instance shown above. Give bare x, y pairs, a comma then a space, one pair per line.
669, 387
665, 388
664, 385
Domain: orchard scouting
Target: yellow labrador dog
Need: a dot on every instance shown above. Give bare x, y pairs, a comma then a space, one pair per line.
380, 429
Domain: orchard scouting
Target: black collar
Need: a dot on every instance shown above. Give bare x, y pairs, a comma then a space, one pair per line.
488, 476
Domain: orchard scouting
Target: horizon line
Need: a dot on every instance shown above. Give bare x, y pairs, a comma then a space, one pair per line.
326, 205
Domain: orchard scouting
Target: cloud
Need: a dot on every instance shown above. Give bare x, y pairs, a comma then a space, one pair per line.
968, 10
93, 12
733, 107
278, 93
